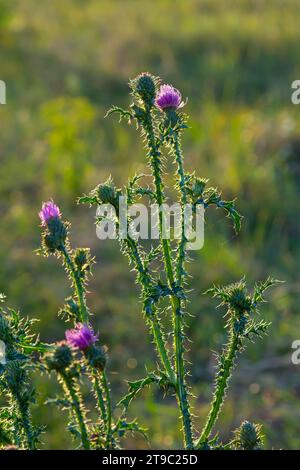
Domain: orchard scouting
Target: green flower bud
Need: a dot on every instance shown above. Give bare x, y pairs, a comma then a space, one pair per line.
56, 234
108, 193
145, 86
60, 358
248, 436
96, 356
240, 301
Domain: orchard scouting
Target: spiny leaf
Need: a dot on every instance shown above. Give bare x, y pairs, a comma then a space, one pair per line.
123, 426
136, 387
256, 329
123, 113
260, 287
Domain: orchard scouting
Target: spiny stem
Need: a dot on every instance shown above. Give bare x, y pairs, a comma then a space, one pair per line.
159, 341
154, 155
77, 285
181, 386
16, 434
178, 325
154, 321
27, 427
25, 422
183, 193
221, 387
76, 406
99, 396
108, 405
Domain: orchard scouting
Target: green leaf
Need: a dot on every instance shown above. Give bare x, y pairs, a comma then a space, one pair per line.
123, 426
123, 113
136, 387
87, 200
261, 287
259, 329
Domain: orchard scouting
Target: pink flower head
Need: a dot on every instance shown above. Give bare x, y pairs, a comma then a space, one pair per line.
169, 97
81, 337
49, 211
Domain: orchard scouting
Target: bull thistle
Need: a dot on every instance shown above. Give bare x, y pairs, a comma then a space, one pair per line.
79, 355
156, 109
16, 426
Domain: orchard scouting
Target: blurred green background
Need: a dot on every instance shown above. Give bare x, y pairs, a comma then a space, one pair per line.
64, 63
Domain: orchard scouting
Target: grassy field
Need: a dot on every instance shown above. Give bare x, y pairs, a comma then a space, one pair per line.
64, 64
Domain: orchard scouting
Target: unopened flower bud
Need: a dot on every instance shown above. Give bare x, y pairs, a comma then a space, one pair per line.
108, 193
145, 86
56, 235
248, 436
96, 357
239, 300
60, 358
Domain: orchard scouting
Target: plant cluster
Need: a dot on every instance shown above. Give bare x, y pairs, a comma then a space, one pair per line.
162, 275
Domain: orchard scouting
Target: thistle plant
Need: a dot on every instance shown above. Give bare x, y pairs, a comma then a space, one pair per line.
79, 355
162, 275
161, 272
16, 343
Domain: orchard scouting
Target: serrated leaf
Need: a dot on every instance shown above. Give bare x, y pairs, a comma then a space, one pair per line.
135, 388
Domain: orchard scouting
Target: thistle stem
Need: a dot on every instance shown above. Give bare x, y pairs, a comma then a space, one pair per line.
182, 187
77, 285
99, 396
76, 406
104, 402
154, 155
221, 387
26, 425
108, 405
159, 341
154, 320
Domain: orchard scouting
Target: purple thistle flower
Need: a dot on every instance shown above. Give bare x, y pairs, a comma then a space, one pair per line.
169, 97
81, 337
49, 211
